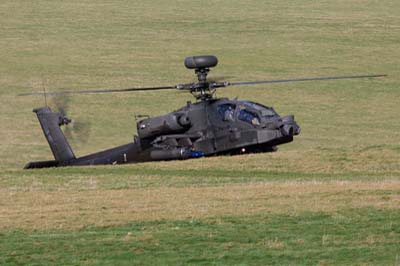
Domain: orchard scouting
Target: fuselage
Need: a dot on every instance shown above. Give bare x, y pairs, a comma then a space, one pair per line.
218, 126
205, 128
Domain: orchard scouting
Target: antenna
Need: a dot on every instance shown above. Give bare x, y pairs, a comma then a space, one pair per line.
44, 92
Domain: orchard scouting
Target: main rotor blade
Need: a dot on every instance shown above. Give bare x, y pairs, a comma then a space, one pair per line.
98, 91
302, 79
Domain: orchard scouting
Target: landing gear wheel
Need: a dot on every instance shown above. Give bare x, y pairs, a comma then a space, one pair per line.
271, 149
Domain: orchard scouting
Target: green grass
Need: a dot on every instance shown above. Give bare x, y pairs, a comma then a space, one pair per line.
350, 237
350, 131
144, 177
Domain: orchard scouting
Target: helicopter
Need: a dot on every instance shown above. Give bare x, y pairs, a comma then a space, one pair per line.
208, 127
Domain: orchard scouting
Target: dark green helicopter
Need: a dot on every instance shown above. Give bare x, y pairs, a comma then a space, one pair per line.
210, 126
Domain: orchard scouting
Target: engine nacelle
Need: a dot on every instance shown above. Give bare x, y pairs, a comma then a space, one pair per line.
162, 125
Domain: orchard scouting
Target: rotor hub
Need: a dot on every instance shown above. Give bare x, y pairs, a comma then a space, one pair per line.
203, 90
202, 74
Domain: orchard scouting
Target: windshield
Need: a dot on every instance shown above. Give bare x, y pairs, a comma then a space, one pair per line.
226, 111
249, 117
264, 110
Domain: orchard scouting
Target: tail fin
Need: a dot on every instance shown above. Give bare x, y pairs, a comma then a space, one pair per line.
50, 122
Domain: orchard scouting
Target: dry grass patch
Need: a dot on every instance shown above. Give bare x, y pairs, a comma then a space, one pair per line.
76, 209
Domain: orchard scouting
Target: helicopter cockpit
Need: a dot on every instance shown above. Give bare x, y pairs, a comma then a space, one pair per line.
245, 111
226, 111
263, 110
246, 115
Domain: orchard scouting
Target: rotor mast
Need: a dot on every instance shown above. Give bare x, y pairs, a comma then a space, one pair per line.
203, 90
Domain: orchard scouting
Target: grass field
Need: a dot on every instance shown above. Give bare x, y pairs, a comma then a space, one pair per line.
332, 197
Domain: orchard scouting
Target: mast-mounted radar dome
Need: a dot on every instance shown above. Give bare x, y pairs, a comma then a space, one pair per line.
204, 61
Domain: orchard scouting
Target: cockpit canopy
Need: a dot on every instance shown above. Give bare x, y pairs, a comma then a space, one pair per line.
263, 110
246, 111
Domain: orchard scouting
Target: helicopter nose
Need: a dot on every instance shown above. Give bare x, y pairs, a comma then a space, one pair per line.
290, 127
287, 130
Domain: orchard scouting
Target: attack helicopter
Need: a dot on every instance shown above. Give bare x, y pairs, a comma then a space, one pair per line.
208, 127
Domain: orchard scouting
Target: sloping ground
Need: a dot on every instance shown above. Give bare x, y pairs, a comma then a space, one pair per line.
329, 198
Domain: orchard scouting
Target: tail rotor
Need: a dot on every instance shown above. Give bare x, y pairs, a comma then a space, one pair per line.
76, 131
